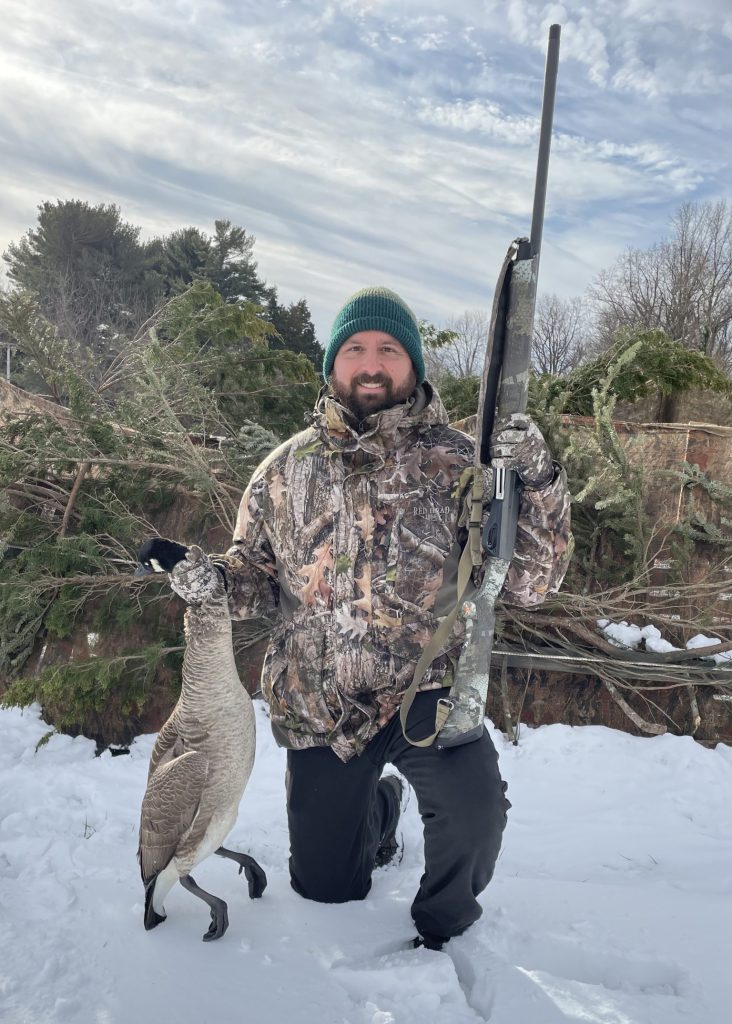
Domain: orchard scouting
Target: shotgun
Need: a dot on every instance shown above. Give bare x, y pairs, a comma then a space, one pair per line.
503, 390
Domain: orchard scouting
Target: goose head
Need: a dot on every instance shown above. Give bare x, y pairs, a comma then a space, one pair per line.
159, 555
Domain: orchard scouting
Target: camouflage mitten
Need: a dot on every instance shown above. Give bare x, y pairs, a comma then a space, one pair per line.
517, 444
196, 578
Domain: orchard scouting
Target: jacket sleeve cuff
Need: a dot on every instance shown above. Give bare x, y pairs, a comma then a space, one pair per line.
556, 470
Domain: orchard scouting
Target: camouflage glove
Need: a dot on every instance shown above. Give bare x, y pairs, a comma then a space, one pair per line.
517, 443
196, 578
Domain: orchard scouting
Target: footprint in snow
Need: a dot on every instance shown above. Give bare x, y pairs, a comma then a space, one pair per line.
551, 978
399, 983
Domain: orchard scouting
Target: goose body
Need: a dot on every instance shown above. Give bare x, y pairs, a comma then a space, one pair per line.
199, 768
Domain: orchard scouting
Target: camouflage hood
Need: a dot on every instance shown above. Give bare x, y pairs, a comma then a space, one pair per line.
382, 430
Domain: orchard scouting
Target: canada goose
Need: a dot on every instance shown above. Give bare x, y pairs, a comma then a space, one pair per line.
202, 757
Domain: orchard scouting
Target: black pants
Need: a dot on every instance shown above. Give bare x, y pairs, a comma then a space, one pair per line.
336, 817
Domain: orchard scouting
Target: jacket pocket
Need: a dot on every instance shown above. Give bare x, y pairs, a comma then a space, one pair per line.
295, 684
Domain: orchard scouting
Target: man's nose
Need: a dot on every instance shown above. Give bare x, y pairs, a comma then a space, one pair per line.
372, 363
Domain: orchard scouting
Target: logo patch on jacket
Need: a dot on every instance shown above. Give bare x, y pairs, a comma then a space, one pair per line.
432, 511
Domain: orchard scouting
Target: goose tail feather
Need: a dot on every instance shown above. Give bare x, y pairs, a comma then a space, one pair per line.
152, 918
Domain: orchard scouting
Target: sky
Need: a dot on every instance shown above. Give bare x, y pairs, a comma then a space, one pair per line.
371, 141
610, 903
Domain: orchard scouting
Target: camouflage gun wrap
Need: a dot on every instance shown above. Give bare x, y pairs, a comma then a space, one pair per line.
504, 390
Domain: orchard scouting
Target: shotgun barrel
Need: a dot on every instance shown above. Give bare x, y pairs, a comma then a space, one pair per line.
504, 390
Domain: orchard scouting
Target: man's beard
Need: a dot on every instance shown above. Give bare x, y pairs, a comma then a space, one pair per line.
363, 405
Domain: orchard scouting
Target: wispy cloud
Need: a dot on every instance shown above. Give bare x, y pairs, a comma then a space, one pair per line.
370, 141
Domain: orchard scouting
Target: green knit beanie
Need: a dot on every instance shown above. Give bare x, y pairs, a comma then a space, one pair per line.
376, 309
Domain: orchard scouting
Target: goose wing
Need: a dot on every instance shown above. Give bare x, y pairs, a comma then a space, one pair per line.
169, 809
169, 744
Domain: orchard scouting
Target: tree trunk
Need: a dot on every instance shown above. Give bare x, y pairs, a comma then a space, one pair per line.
668, 408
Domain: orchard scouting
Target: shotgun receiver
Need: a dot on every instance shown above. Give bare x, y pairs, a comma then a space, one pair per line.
503, 390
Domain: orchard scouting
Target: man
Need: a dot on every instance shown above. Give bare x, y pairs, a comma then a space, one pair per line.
349, 535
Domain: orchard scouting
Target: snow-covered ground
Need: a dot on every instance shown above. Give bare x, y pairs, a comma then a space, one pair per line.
611, 904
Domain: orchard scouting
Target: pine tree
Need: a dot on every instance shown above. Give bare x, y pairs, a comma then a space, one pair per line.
224, 259
294, 327
658, 367
87, 271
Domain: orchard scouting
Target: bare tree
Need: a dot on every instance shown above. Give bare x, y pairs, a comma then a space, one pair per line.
560, 327
560, 334
462, 357
682, 285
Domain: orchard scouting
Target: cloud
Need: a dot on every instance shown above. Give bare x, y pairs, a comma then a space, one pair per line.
640, 46
587, 156
369, 141
480, 116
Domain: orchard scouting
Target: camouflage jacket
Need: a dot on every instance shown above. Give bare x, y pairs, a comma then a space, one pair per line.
351, 541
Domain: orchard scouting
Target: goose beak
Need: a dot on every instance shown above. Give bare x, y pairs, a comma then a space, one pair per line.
143, 570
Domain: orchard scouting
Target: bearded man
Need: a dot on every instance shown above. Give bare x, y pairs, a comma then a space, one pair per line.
349, 536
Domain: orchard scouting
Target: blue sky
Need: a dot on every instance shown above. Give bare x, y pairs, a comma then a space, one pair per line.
371, 142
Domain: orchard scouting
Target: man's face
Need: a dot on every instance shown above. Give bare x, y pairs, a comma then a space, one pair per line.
372, 371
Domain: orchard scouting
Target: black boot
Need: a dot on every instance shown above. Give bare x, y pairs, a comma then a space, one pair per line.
391, 788
435, 942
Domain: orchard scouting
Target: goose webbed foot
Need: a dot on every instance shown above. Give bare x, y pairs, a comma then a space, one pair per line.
255, 875
219, 910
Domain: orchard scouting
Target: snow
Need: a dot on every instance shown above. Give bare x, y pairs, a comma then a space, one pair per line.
630, 636
621, 634
704, 641
610, 905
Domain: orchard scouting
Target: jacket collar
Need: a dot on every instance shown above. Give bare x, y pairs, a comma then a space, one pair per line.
381, 430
